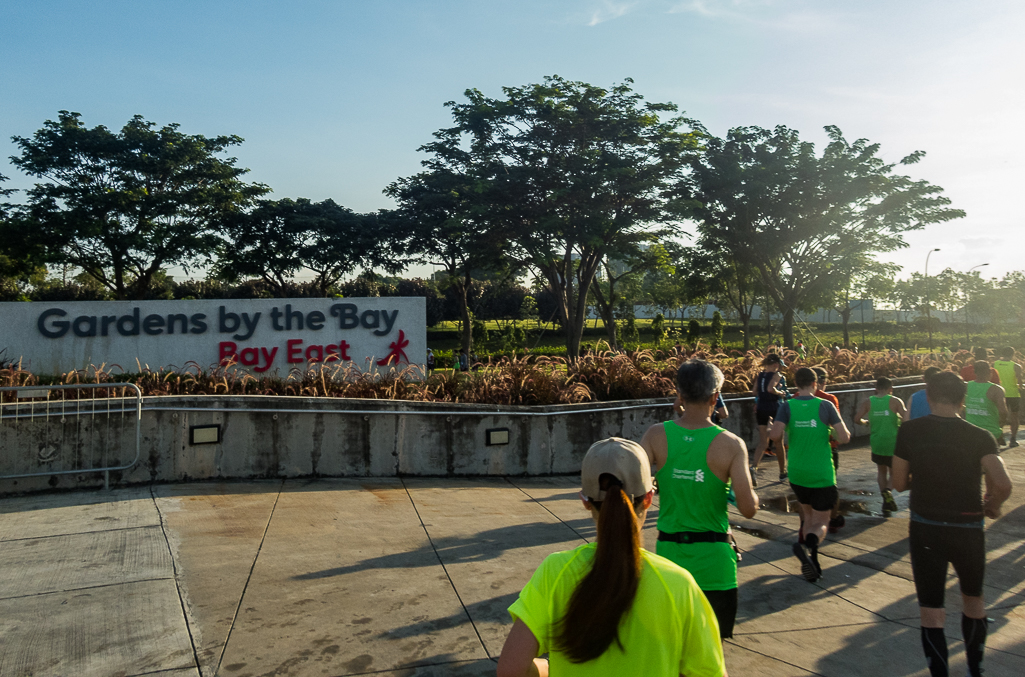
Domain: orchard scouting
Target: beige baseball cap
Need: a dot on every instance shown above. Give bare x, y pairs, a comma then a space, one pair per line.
624, 459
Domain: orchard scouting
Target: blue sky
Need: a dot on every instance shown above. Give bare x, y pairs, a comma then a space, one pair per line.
334, 97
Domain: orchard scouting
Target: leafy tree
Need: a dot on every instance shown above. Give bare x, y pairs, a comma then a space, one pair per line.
279, 239
440, 219
855, 278
714, 272
907, 296
791, 216
121, 206
528, 310
658, 328
694, 332
629, 267
717, 330
426, 289
569, 173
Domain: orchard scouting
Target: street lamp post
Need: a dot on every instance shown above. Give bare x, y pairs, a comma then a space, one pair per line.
967, 334
928, 313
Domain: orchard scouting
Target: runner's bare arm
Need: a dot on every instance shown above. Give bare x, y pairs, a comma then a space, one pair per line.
897, 407
998, 485
901, 474
840, 432
862, 410
656, 445
518, 657
996, 394
747, 499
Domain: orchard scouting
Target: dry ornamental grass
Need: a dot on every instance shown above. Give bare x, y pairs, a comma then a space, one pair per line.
530, 380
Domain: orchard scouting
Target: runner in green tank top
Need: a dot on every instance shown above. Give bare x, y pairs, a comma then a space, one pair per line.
806, 419
984, 403
884, 414
695, 463
1010, 379
692, 499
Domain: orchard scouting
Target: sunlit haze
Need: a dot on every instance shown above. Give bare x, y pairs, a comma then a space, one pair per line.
334, 98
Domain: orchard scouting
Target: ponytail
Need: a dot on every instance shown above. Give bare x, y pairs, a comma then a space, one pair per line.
607, 591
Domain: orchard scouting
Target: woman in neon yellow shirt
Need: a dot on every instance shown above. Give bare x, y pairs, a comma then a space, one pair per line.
610, 607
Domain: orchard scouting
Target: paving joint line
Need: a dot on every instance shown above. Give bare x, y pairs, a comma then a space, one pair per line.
444, 568
827, 590
773, 658
158, 672
78, 533
546, 509
174, 572
87, 587
958, 637
249, 577
391, 671
820, 627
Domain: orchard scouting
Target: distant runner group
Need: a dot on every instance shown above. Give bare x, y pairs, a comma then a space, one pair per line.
611, 607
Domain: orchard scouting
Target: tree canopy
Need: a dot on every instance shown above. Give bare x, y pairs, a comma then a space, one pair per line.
279, 239
123, 205
569, 172
797, 218
441, 221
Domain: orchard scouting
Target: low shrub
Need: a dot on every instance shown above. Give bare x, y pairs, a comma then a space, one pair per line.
528, 380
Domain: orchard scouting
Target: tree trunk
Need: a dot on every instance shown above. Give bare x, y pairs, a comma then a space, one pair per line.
745, 325
845, 316
466, 340
605, 310
788, 328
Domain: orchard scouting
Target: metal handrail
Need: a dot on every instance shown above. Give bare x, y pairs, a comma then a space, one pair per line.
428, 412
76, 411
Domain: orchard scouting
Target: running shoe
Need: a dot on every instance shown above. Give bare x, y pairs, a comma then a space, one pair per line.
889, 505
1013, 443
783, 476
836, 523
770, 450
810, 572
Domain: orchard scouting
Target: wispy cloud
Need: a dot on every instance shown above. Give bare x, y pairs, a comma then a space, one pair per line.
766, 13
609, 10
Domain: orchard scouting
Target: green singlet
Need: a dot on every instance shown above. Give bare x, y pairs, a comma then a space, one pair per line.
980, 410
1008, 377
809, 455
884, 423
692, 498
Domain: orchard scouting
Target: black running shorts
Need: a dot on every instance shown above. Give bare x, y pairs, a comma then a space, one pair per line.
724, 604
882, 460
933, 547
1013, 404
763, 416
819, 498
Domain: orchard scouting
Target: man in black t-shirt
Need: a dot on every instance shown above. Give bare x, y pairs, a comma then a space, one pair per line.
942, 459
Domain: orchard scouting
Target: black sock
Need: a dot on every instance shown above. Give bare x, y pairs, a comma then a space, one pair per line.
812, 541
934, 643
974, 632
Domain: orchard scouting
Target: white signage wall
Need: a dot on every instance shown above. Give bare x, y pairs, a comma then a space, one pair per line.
263, 335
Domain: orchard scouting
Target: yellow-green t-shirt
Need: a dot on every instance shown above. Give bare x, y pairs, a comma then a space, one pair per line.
669, 630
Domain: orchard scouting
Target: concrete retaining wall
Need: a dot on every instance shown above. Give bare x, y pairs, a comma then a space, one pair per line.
294, 437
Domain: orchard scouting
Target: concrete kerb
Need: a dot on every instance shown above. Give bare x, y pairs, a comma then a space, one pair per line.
286, 437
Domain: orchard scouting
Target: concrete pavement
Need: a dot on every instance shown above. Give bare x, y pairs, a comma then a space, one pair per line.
413, 577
